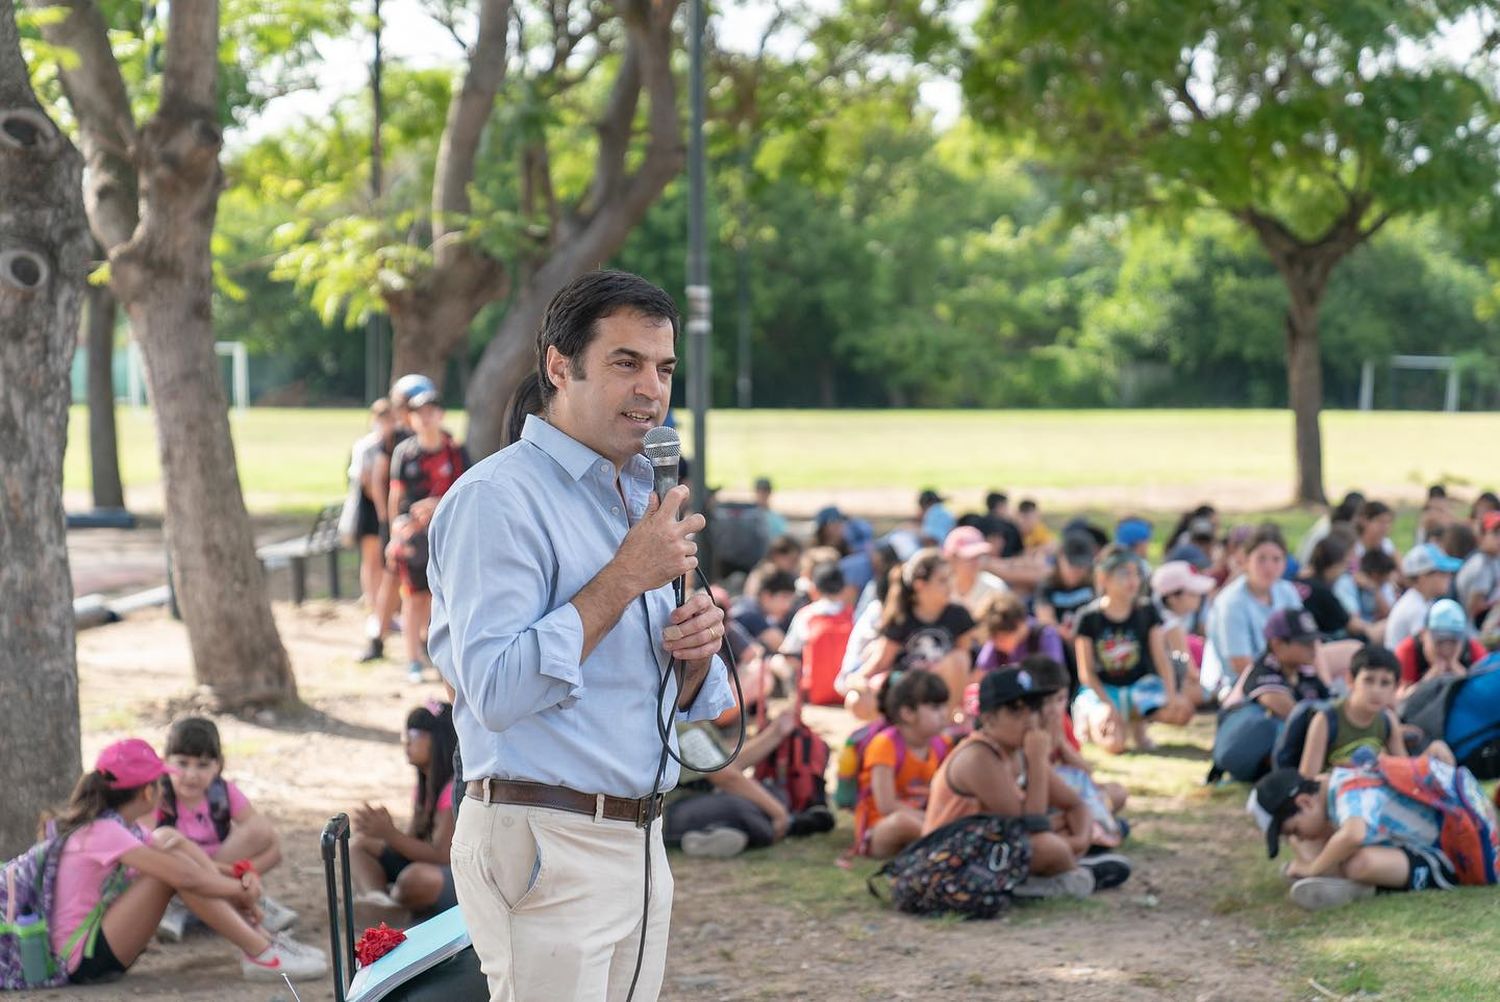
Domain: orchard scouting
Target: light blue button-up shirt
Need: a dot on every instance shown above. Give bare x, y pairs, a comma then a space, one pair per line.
513, 541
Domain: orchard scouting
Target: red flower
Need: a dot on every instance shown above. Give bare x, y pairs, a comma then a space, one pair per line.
376, 943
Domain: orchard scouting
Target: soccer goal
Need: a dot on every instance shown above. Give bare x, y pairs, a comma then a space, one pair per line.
1445, 364
238, 382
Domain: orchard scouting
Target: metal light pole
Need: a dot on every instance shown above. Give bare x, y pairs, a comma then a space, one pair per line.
375, 360
700, 300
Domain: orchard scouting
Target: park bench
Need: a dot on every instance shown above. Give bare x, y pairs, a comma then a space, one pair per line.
321, 540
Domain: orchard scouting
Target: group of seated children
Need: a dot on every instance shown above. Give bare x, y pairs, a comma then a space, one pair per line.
141, 845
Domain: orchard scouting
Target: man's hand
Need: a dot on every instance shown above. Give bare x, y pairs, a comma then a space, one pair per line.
659, 549
696, 629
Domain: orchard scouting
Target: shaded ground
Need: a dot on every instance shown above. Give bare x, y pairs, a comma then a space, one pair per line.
784, 924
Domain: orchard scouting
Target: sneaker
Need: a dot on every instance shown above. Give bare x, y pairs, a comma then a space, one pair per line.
275, 916
374, 907
174, 922
283, 957
1075, 883
715, 843
814, 821
1110, 869
375, 651
1317, 893
414, 673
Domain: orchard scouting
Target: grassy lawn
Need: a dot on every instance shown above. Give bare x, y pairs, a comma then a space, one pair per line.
293, 460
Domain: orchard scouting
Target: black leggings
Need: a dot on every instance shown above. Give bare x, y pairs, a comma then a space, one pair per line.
717, 810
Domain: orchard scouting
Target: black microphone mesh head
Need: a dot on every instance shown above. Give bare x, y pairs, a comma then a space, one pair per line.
662, 446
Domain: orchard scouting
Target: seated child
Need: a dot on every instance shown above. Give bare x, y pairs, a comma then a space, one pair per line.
210, 811
1104, 800
114, 882
721, 814
813, 649
397, 871
1178, 591
1004, 768
1365, 718
1123, 667
898, 764
1356, 830
1284, 674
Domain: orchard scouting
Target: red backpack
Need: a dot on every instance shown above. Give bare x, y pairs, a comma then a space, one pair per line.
797, 768
823, 656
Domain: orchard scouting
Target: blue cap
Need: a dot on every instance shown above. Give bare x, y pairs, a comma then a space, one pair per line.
1132, 531
826, 515
1427, 559
1447, 617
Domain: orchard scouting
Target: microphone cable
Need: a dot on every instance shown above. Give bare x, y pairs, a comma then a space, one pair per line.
669, 671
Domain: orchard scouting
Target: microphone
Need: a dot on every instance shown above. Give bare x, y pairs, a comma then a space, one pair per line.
663, 449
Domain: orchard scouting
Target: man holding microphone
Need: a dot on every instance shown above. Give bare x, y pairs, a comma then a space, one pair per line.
553, 619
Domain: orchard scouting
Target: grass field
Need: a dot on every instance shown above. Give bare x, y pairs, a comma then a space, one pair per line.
293, 460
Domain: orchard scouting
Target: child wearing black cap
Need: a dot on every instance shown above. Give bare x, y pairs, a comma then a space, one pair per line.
1356, 830
1004, 767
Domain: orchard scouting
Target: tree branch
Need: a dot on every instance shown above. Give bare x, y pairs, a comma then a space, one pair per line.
468, 114
190, 79
95, 90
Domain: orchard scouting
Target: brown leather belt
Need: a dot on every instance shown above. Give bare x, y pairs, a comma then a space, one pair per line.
604, 808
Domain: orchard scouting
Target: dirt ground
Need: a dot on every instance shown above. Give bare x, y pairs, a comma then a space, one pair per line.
1170, 933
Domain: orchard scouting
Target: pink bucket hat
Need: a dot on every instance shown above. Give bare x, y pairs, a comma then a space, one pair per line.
964, 542
1178, 575
131, 763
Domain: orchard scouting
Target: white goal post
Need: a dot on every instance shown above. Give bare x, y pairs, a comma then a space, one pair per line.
239, 382
1429, 363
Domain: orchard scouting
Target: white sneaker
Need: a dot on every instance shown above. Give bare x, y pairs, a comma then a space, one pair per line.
284, 956
1318, 893
275, 916
174, 922
1075, 883
715, 843
374, 907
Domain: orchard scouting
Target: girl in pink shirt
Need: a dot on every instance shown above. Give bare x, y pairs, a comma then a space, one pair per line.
114, 881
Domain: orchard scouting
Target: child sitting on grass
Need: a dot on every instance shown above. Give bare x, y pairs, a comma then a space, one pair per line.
399, 871
1401, 824
1104, 800
1364, 719
1004, 767
210, 811
114, 882
898, 764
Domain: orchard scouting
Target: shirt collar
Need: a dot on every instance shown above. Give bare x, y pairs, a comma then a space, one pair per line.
573, 456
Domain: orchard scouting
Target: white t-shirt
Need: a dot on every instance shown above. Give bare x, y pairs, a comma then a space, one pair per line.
796, 633
1408, 617
1480, 575
985, 584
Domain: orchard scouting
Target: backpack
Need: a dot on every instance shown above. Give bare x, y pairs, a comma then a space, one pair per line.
823, 655
1464, 711
218, 806
1287, 754
851, 760
938, 747
1243, 742
797, 767
1470, 833
968, 867
28, 884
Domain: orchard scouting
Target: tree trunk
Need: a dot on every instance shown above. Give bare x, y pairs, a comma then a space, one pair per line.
44, 258
427, 328
1304, 372
510, 354
104, 449
164, 278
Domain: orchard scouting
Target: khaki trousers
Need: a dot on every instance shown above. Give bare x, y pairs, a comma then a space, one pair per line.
553, 902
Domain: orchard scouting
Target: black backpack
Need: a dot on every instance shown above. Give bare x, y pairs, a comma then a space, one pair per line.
738, 535
218, 806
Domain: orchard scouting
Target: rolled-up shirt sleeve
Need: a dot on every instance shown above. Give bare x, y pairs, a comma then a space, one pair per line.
492, 636
714, 697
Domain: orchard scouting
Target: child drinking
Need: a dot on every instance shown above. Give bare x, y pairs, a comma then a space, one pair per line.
211, 812
114, 882
397, 871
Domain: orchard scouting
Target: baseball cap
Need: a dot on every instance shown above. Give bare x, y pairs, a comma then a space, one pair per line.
763, 483
1009, 685
827, 515
964, 542
1178, 575
1132, 531
422, 398
1078, 548
408, 386
131, 763
1490, 522
929, 497
1427, 559
1273, 802
1446, 618
1295, 626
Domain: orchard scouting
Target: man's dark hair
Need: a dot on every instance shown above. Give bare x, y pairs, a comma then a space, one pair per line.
828, 579
572, 319
993, 498
776, 582
1026, 507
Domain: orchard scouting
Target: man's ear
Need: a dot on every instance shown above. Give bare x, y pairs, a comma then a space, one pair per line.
557, 367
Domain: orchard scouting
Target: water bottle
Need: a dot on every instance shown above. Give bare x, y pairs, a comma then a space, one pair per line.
36, 952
